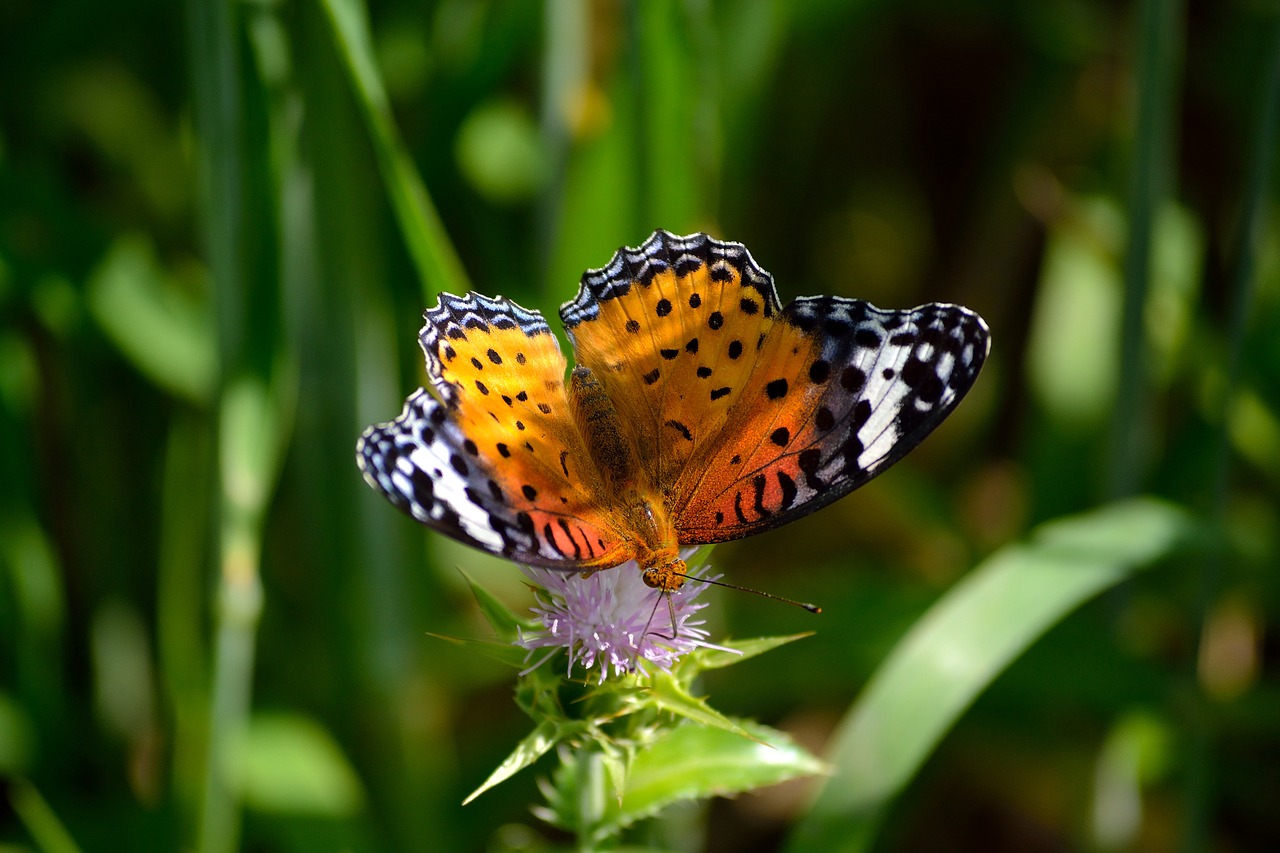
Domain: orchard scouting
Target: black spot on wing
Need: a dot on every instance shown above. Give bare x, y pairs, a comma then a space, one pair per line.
789, 490
681, 429
758, 484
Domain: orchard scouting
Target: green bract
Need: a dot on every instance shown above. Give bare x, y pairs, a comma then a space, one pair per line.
645, 740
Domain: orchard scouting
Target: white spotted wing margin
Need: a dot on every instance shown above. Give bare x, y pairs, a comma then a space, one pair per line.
905, 371
412, 460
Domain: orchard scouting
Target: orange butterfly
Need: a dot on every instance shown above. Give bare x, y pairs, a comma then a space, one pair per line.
700, 410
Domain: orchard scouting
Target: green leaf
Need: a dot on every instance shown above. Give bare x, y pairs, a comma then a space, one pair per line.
692, 762
965, 640
669, 694
287, 763
256, 422
503, 619
1137, 752
684, 762
538, 693
532, 747
704, 659
698, 558
433, 254
164, 331
504, 653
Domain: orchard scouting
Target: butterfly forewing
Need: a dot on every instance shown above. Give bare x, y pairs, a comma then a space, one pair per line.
497, 462
842, 391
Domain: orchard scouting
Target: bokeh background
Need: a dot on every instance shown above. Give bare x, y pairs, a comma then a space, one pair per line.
213, 262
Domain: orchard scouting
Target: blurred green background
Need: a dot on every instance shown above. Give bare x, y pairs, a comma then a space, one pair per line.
214, 255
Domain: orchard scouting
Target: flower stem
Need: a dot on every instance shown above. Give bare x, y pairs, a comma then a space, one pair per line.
240, 606
591, 796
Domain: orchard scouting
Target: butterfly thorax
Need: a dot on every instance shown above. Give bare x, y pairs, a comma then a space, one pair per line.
639, 511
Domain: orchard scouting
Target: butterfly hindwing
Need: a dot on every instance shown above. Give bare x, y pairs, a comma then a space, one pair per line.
497, 461
841, 391
417, 462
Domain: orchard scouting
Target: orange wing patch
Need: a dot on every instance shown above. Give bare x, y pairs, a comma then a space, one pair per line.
841, 391
672, 331
497, 462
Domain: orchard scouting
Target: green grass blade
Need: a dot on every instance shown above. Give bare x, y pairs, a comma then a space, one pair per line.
433, 254
40, 819
962, 644
180, 601
670, 140
255, 424
220, 118
1243, 287
1151, 166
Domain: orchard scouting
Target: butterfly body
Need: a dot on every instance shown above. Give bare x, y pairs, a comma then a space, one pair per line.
641, 519
701, 410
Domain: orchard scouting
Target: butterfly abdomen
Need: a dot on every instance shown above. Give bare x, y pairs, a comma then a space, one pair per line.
601, 430
640, 513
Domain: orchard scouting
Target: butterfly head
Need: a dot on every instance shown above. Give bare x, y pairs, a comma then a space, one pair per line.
667, 575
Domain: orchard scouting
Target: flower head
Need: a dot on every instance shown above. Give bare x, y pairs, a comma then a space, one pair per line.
612, 620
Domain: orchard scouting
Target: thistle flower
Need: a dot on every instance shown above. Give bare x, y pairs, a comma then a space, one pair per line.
612, 620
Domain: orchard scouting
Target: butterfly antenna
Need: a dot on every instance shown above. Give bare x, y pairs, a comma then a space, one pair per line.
812, 608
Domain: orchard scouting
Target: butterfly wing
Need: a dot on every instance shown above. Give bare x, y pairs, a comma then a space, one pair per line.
671, 330
495, 462
840, 391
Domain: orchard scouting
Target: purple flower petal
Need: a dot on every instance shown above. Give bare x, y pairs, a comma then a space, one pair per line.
610, 619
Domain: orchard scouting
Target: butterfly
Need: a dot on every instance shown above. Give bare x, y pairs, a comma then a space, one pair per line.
701, 410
